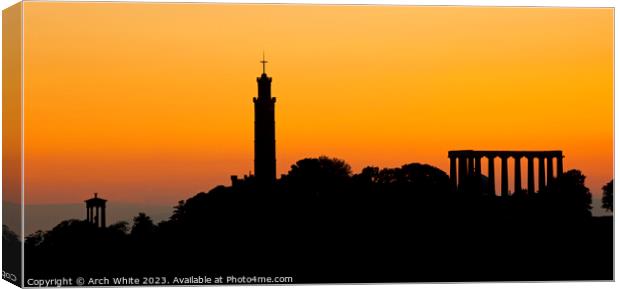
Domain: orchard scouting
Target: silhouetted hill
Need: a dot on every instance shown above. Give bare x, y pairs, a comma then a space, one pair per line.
321, 223
45, 217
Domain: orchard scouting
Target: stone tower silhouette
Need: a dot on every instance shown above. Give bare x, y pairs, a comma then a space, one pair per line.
95, 211
264, 132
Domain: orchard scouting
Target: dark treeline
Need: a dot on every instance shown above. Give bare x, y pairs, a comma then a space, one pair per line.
11, 256
322, 223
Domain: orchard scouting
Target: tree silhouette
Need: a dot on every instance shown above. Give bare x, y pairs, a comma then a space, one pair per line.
143, 226
412, 184
8, 236
608, 196
368, 176
11, 255
120, 226
419, 178
319, 177
35, 239
568, 196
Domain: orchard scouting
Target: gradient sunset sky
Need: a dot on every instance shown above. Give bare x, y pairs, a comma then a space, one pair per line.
152, 103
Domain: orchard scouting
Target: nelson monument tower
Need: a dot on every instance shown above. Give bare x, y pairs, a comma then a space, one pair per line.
264, 133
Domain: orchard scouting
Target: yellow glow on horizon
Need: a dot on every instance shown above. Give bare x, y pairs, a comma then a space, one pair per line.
153, 102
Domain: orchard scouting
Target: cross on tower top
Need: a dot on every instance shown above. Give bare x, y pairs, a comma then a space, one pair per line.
264, 62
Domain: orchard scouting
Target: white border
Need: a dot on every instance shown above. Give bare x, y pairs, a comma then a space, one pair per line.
540, 3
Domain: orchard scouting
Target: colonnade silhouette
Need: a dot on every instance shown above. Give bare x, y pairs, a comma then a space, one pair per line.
466, 164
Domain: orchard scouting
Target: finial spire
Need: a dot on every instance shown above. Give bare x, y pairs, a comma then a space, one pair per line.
264, 62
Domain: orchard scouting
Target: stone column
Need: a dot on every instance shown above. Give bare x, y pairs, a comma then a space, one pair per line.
470, 166
453, 171
478, 174
541, 174
549, 170
517, 174
491, 175
96, 218
530, 175
560, 165
504, 176
462, 172
103, 216
87, 213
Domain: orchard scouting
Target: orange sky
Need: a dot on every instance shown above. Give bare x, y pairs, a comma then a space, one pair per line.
152, 103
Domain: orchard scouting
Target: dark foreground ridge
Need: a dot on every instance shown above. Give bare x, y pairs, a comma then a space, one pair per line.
321, 223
